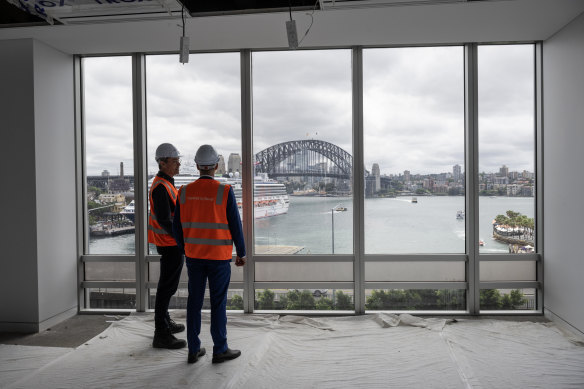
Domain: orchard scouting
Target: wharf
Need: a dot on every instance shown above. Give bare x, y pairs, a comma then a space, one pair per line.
113, 231
277, 250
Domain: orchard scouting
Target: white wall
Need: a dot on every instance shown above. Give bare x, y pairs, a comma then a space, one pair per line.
38, 265
18, 272
55, 182
563, 72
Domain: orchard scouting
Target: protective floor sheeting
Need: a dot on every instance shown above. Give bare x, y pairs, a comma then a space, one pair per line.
371, 351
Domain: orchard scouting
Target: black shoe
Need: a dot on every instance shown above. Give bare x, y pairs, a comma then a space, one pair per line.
175, 327
164, 339
195, 357
226, 356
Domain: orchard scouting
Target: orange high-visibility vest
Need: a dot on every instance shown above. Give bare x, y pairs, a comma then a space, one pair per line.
157, 234
203, 216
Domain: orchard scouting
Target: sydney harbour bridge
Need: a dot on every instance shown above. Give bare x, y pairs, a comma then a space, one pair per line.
310, 157
298, 158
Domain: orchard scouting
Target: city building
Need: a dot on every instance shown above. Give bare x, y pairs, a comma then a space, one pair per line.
221, 167
376, 173
233, 163
47, 273
456, 173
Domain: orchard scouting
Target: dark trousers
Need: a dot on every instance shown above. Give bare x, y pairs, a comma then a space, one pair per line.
219, 274
171, 264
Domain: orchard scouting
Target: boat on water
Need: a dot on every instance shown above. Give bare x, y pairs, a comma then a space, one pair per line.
270, 197
340, 209
460, 215
414, 200
481, 242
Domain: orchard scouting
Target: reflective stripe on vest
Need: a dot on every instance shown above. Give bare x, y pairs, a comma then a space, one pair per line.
156, 234
203, 214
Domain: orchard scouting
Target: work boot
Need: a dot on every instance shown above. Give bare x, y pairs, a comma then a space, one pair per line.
163, 338
194, 357
175, 327
226, 356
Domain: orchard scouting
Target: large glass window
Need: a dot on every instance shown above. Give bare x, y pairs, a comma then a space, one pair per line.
413, 109
302, 145
506, 148
303, 149
302, 142
188, 106
109, 168
109, 154
506, 171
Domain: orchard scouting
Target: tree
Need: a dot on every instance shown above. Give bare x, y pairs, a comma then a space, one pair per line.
300, 300
282, 303
266, 299
517, 299
324, 304
490, 299
343, 301
451, 299
391, 299
236, 303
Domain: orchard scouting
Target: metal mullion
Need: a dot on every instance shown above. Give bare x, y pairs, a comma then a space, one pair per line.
139, 130
509, 284
107, 258
416, 285
81, 206
539, 133
509, 257
247, 177
416, 258
303, 285
185, 285
358, 181
303, 258
471, 176
108, 284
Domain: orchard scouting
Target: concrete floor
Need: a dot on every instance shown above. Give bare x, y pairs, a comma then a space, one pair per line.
69, 333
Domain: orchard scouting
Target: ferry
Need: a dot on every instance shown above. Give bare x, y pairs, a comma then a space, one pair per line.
270, 197
460, 215
414, 200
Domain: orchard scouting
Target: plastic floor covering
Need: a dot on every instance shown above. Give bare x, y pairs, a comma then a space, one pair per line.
370, 351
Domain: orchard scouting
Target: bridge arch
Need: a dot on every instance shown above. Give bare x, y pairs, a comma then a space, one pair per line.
311, 153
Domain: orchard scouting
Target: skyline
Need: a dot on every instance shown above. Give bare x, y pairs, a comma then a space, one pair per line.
413, 105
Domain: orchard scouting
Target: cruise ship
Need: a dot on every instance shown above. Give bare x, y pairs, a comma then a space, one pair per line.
270, 197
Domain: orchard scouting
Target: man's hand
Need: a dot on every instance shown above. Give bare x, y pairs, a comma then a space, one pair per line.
240, 261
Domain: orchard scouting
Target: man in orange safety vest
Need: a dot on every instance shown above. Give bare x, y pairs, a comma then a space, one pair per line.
162, 197
206, 225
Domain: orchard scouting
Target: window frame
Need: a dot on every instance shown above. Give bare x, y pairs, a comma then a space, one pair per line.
471, 257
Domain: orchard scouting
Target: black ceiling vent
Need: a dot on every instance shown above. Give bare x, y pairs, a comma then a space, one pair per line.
235, 7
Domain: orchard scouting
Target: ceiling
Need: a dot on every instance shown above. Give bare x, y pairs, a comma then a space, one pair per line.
15, 13
89, 27
18, 13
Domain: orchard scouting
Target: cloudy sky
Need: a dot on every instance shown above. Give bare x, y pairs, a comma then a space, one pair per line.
413, 106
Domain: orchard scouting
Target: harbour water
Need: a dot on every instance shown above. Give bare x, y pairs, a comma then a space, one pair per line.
392, 226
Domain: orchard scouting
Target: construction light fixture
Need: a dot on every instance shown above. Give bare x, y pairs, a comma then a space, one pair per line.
292, 34
291, 30
184, 41
184, 50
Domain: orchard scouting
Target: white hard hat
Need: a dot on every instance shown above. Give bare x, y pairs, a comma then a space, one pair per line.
206, 156
166, 150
